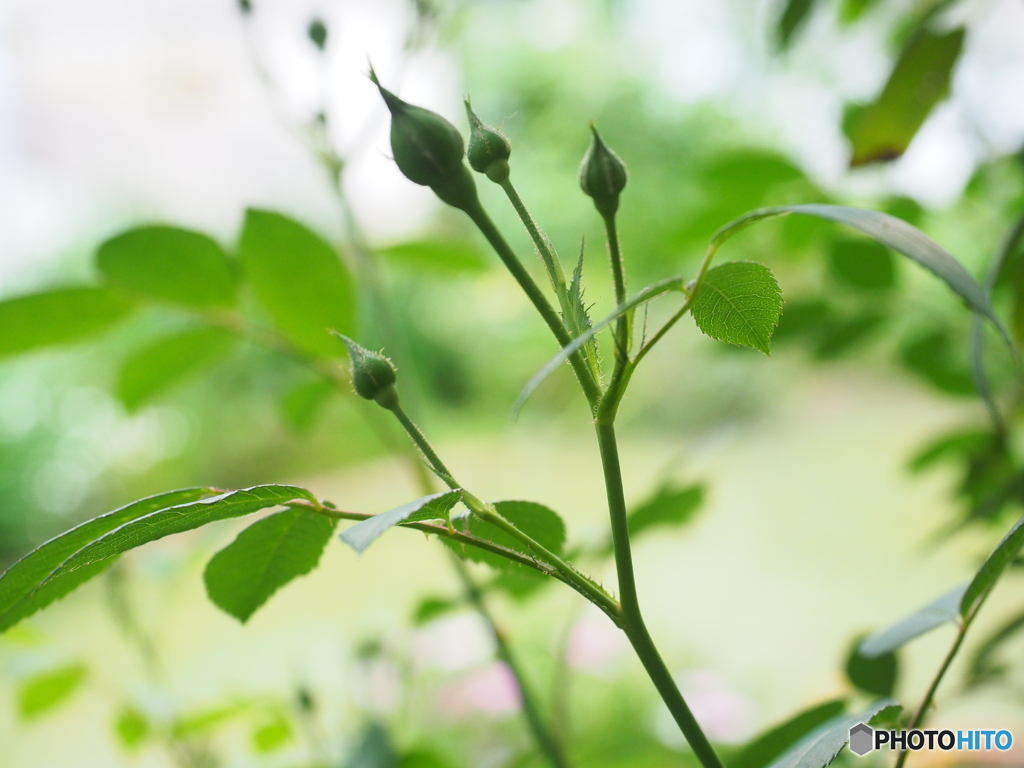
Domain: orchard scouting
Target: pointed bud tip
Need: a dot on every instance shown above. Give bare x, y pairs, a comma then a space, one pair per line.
373, 375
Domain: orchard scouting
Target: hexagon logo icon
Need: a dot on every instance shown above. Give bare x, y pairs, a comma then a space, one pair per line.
862, 739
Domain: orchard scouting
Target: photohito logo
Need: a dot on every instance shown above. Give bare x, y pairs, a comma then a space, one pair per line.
865, 739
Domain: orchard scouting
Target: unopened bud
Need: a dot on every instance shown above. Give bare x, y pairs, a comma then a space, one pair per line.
489, 149
602, 175
373, 375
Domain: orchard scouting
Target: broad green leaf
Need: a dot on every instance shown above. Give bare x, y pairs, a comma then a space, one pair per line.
301, 404
177, 519
436, 506
930, 356
992, 569
793, 17
131, 727
437, 256
872, 674
169, 264
772, 743
374, 750
27, 587
669, 506
535, 520
984, 667
39, 694
739, 303
821, 746
60, 316
839, 335
264, 557
920, 79
429, 608
896, 234
299, 280
861, 263
272, 735
942, 611
159, 365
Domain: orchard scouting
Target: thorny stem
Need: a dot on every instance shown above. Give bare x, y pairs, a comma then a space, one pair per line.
544, 737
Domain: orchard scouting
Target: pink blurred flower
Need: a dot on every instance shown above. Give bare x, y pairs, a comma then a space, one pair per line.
594, 642
490, 690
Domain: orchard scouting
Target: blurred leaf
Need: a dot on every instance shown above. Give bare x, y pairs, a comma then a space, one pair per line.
301, 404
436, 506
772, 743
318, 33
374, 750
60, 316
860, 263
299, 279
872, 674
804, 317
272, 735
159, 365
905, 208
983, 666
942, 611
206, 721
535, 520
169, 264
987, 576
430, 608
887, 715
821, 746
22, 588
131, 727
669, 506
930, 357
959, 444
793, 17
421, 759
520, 583
920, 79
40, 693
739, 303
445, 258
851, 10
839, 335
266, 556
177, 519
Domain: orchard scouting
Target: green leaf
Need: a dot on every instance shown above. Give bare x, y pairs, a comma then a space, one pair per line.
60, 316
860, 263
206, 721
374, 750
446, 258
300, 405
821, 746
299, 279
851, 10
27, 587
429, 608
943, 610
436, 506
421, 759
39, 694
131, 727
930, 357
959, 444
801, 318
272, 735
839, 335
669, 506
983, 666
264, 557
540, 523
519, 583
896, 234
159, 365
772, 743
987, 576
793, 17
920, 79
578, 318
169, 264
739, 303
177, 519
872, 674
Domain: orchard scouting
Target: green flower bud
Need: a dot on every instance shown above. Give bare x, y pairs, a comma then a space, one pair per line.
373, 375
489, 148
602, 175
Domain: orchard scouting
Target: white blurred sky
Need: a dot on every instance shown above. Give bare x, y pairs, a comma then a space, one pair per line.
118, 111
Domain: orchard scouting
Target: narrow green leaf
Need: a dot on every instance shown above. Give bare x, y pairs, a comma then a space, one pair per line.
446, 258
983, 666
739, 303
540, 523
131, 727
266, 556
272, 735
177, 519
578, 317
864, 264
942, 611
169, 264
872, 674
668, 506
920, 79
436, 506
992, 569
430, 608
772, 743
793, 17
821, 746
159, 365
25, 587
959, 444
60, 316
39, 694
299, 279
206, 721
896, 234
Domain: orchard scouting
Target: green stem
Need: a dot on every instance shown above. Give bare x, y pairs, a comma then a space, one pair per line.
424, 445
633, 622
618, 277
547, 254
544, 738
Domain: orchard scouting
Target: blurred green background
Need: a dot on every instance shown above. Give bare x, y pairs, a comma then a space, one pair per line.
813, 530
